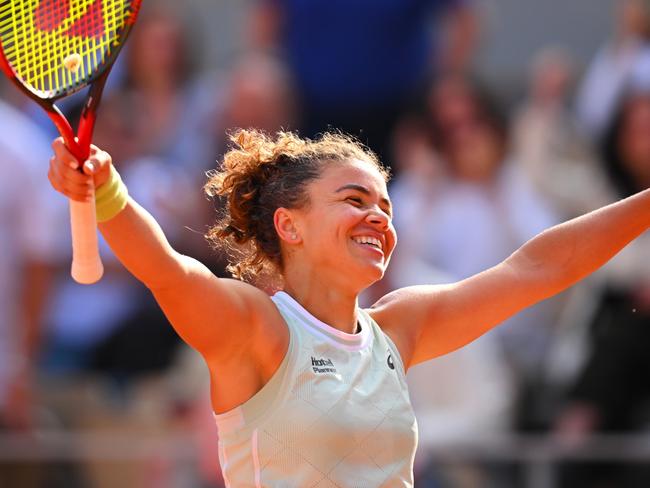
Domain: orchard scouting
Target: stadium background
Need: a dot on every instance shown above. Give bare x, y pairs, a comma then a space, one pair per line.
112, 399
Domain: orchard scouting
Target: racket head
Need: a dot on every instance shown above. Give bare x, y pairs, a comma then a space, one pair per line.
54, 48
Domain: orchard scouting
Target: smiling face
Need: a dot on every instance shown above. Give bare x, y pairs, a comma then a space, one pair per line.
346, 232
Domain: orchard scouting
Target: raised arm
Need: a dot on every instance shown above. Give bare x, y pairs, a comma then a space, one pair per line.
428, 321
209, 313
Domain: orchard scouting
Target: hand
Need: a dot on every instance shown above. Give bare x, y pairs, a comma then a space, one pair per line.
66, 178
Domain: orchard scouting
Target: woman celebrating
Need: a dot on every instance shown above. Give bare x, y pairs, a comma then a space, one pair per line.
308, 388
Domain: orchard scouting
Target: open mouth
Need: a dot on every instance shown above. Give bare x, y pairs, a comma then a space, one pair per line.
372, 242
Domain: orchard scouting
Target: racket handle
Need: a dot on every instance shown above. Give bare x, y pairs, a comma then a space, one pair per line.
87, 266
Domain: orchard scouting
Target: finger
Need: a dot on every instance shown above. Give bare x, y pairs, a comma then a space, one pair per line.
66, 172
90, 167
53, 180
94, 150
99, 166
99, 159
58, 185
62, 152
72, 184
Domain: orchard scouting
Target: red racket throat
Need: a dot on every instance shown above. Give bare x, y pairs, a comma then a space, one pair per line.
51, 49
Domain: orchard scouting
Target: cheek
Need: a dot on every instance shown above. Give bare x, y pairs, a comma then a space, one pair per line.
326, 227
391, 237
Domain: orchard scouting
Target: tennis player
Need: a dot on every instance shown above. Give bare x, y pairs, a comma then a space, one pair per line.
308, 388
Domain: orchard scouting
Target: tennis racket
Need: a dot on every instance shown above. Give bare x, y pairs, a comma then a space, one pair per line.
51, 49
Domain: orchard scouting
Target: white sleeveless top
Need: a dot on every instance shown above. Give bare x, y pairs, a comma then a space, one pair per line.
336, 413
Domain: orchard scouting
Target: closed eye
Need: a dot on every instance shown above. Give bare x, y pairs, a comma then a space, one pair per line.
356, 200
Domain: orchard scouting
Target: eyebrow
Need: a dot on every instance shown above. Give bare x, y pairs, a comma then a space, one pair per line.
365, 191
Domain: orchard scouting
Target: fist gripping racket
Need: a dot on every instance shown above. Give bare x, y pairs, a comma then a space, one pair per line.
51, 49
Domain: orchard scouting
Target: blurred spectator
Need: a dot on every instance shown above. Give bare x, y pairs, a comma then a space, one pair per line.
466, 395
141, 121
623, 60
106, 348
549, 146
612, 394
467, 212
480, 209
357, 63
151, 112
109, 347
27, 231
257, 93
111, 352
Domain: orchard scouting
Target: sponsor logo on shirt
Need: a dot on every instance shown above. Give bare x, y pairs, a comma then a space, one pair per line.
389, 360
322, 365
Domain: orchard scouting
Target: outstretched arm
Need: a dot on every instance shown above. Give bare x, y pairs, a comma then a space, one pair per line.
444, 318
193, 299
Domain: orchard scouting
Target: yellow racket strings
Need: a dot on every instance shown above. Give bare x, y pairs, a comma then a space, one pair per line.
54, 45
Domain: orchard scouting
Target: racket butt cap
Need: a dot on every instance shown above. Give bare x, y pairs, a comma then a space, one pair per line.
87, 273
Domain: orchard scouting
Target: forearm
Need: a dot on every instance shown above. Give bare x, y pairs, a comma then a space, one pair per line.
132, 233
141, 246
566, 253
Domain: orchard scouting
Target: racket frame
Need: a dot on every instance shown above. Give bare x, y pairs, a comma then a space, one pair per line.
86, 267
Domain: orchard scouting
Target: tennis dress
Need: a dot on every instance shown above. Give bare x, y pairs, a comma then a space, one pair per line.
335, 414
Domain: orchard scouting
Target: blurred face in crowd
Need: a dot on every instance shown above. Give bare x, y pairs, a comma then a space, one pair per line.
551, 76
468, 139
157, 51
634, 18
452, 103
260, 96
475, 152
634, 139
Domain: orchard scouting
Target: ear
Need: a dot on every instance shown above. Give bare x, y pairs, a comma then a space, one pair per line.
285, 225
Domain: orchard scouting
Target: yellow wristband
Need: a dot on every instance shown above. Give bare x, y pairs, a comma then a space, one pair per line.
111, 197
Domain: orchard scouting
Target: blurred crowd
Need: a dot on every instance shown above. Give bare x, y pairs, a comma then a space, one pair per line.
473, 179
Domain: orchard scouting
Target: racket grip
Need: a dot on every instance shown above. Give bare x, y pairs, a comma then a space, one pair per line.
87, 266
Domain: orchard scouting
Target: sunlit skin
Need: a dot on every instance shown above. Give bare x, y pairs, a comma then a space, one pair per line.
325, 268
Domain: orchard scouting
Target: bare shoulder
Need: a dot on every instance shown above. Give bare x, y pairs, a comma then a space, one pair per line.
243, 340
257, 347
405, 304
428, 321
220, 317
401, 313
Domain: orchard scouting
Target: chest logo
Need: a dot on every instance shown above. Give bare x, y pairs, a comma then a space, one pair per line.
322, 365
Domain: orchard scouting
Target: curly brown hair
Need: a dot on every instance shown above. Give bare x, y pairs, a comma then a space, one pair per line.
261, 174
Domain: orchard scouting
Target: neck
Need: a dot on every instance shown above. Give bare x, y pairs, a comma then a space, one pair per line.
325, 301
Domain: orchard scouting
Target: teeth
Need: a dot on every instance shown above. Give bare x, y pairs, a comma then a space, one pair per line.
368, 240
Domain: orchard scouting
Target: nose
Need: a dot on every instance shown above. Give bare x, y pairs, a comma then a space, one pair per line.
378, 218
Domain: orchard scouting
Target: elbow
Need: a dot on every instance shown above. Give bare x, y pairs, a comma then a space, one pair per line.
541, 278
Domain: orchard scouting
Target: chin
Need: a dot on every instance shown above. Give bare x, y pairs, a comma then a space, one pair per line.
370, 275
361, 273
